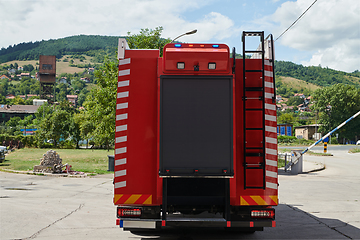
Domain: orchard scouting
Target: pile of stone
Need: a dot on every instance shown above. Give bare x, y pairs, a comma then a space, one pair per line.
50, 163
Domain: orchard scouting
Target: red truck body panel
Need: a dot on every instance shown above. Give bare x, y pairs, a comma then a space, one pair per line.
137, 177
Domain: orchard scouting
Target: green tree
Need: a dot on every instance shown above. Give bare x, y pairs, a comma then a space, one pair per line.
336, 104
100, 106
295, 101
54, 122
98, 118
148, 39
286, 118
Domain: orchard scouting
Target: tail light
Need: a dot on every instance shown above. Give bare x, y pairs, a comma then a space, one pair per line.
128, 212
265, 213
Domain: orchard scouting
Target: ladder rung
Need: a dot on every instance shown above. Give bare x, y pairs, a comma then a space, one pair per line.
255, 187
254, 89
254, 51
252, 33
254, 109
257, 70
254, 129
254, 154
253, 98
253, 167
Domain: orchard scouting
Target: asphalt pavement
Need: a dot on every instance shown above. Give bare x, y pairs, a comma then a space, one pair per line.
313, 205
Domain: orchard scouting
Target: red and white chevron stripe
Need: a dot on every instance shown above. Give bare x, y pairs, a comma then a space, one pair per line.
122, 114
270, 130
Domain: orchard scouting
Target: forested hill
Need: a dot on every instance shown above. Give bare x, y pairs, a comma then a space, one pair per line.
91, 45
82, 44
316, 75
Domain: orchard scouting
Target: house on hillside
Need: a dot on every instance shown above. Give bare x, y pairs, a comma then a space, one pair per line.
2, 77
72, 99
27, 96
10, 96
303, 107
20, 68
9, 111
23, 75
85, 79
63, 80
300, 95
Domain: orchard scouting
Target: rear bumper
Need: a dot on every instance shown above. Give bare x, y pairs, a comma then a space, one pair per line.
197, 223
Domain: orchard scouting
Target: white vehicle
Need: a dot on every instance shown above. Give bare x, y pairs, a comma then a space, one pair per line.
358, 142
4, 149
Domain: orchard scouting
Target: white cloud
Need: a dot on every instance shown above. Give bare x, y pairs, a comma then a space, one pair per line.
330, 29
24, 21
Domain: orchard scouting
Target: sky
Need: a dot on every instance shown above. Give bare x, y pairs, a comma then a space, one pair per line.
327, 35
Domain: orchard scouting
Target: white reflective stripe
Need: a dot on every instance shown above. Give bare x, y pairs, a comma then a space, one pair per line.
124, 61
267, 62
270, 129
121, 139
123, 83
269, 84
271, 140
271, 185
120, 150
120, 173
271, 163
268, 74
270, 118
121, 128
121, 116
269, 95
122, 105
271, 174
123, 94
120, 184
124, 72
120, 161
270, 106
270, 151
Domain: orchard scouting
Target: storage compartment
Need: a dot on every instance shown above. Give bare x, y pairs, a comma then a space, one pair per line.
196, 126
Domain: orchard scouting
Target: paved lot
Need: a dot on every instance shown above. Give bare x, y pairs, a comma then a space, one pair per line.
319, 205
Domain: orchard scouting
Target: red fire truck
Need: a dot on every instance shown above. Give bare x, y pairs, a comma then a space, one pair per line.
196, 141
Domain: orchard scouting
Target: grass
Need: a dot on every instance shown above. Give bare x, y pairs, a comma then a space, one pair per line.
318, 153
298, 84
281, 162
354, 150
83, 160
308, 152
61, 67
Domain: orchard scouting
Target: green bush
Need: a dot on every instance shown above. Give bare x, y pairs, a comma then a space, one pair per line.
67, 144
286, 139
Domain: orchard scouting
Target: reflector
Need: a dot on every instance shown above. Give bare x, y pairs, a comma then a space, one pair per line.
180, 65
212, 66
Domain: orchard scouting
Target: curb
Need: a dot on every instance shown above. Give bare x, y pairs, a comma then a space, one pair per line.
319, 168
45, 174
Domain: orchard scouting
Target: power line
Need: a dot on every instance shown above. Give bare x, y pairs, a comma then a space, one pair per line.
296, 20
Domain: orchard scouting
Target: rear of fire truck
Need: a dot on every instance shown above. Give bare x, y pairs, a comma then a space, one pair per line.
196, 141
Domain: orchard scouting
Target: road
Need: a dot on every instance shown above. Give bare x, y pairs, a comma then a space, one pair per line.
318, 205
